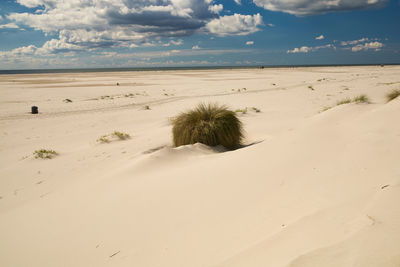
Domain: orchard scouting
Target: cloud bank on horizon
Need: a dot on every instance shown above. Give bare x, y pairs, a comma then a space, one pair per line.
310, 7
98, 26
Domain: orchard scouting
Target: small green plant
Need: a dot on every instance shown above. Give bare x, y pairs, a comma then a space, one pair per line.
115, 135
146, 107
361, 99
311, 88
67, 100
103, 139
392, 95
344, 101
243, 111
121, 136
209, 124
256, 109
45, 154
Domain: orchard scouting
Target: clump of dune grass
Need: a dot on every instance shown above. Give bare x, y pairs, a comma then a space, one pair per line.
67, 100
392, 95
209, 124
147, 107
115, 135
256, 109
361, 99
120, 135
45, 154
343, 101
103, 139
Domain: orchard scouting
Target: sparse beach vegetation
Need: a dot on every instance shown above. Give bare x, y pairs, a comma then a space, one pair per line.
103, 139
358, 99
45, 154
209, 124
115, 135
392, 95
243, 110
361, 99
120, 135
343, 101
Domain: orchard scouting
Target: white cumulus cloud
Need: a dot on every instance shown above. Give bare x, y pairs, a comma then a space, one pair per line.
249, 42
321, 37
236, 24
92, 24
216, 8
354, 42
363, 44
312, 7
367, 46
307, 49
9, 26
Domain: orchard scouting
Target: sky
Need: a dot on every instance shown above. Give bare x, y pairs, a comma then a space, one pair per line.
47, 34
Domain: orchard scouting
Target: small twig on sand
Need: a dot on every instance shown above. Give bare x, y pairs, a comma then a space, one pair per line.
115, 254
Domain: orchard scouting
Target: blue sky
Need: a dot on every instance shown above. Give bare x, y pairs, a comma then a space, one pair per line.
157, 33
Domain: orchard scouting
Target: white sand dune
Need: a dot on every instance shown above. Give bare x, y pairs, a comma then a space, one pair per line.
309, 188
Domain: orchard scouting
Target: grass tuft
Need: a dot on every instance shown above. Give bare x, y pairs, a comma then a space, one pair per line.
256, 109
115, 135
103, 139
361, 99
209, 124
344, 101
392, 95
45, 154
121, 136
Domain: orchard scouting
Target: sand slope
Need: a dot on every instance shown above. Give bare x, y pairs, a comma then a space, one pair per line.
310, 188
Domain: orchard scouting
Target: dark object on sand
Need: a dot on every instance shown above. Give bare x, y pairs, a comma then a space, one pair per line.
35, 110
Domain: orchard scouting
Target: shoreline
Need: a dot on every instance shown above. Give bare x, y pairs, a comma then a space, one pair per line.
139, 69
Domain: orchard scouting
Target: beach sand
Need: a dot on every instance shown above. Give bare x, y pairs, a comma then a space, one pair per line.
309, 187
